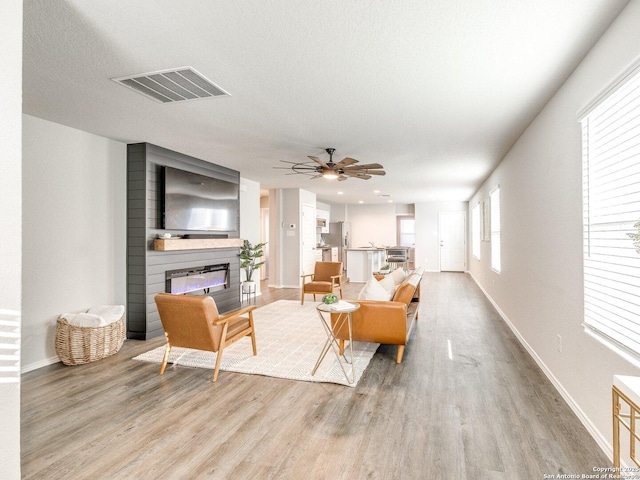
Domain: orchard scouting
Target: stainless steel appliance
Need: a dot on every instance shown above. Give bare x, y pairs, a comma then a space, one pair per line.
339, 236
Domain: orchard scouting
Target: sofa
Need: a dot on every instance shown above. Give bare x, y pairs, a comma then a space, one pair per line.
385, 321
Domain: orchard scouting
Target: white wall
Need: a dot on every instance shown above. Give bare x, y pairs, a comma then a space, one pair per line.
250, 218
539, 290
74, 229
427, 231
372, 223
10, 221
285, 209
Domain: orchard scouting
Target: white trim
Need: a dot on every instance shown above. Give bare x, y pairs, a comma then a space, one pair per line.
616, 347
39, 364
600, 439
615, 84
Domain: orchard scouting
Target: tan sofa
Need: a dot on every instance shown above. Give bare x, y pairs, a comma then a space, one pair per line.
389, 322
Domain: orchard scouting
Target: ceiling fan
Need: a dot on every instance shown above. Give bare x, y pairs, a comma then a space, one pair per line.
342, 170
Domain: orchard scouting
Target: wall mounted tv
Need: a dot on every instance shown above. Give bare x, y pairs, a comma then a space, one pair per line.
198, 202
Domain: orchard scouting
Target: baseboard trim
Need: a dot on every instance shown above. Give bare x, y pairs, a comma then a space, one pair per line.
39, 364
600, 439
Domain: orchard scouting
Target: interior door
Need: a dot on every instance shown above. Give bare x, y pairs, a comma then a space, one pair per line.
453, 241
308, 238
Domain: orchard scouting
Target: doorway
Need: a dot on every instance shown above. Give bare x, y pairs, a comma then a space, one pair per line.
308, 238
453, 241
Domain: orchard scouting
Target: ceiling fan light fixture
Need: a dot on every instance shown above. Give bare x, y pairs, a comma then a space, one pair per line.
341, 171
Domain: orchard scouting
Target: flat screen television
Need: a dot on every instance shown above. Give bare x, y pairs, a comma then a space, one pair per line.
198, 202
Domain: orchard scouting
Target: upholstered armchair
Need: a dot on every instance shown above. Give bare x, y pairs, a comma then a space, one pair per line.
194, 322
327, 276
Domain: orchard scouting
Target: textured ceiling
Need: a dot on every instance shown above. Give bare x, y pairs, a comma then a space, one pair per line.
436, 91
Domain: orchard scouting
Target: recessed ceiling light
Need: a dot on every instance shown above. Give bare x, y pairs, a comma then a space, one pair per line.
389, 201
360, 201
340, 193
376, 191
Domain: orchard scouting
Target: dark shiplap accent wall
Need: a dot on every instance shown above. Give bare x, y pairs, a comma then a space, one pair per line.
145, 266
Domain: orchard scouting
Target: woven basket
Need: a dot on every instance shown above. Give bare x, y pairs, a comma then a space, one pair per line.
77, 345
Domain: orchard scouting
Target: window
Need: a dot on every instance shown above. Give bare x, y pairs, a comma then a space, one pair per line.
494, 198
406, 231
475, 231
611, 208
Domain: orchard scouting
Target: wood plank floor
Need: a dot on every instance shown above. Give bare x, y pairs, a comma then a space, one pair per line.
466, 403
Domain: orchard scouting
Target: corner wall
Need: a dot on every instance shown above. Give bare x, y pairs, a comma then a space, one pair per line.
540, 289
74, 229
11, 239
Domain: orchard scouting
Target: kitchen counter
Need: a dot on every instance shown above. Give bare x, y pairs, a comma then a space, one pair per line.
363, 261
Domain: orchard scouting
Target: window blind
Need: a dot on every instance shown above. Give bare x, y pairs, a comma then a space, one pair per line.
611, 208
494, 198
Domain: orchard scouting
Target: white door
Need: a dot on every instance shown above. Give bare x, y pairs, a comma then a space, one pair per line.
453, 241
308, 238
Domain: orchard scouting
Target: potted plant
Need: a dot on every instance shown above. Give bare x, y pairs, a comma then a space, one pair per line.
250, 261
635, 237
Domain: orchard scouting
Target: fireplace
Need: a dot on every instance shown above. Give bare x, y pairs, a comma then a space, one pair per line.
208, 278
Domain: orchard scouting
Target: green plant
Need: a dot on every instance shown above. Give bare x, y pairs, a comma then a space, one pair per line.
386, 267
635, 237
329, 298
249, 258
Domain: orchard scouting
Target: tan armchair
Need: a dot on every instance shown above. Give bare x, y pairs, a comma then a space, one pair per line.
194, 322
325, 278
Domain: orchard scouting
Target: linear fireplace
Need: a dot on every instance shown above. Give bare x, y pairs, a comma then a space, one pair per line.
209, 278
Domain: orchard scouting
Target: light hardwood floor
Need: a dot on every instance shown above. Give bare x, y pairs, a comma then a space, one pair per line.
467, 402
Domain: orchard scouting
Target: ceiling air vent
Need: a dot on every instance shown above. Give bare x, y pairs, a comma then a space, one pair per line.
173, 85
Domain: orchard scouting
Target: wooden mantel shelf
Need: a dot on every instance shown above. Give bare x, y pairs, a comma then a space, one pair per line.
170, 244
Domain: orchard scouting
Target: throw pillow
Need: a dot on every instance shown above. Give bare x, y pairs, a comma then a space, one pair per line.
398, 275
389, 285
372, 290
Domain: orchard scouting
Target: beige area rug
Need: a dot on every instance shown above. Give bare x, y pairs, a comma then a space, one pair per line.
289, 337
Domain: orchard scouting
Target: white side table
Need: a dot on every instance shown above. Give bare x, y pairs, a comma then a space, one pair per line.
344, 310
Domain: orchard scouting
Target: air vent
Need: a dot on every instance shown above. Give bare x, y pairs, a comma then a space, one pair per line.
174, 85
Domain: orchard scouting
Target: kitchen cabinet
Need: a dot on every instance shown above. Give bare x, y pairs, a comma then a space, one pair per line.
334, 254
323, 220
362, 262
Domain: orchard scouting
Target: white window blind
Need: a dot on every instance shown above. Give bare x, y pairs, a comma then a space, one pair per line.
494, 198
475, 231
611, 207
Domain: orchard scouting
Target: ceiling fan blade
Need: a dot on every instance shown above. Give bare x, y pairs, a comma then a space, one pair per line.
374, 172
318, 161
342, 178
367, 166
362, 177
346, 162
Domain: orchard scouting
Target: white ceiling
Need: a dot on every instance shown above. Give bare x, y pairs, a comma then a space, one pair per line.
437, 91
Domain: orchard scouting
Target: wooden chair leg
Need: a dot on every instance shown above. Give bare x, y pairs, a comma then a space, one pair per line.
341, 345
165, 359
302, 298
253, 334
400, 353
223, 339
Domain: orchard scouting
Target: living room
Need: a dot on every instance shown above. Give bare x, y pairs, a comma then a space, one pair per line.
65, 218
